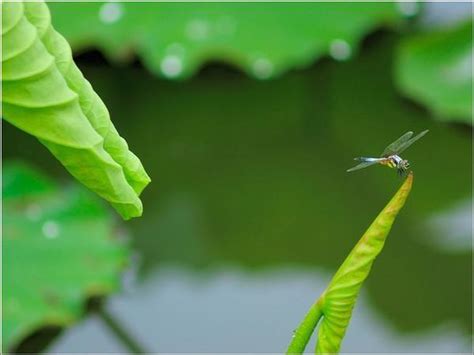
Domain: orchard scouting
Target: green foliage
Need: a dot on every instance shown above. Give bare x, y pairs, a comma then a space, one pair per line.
436, 69
337, 302
288, 175
45, 94
57, 250
263, 39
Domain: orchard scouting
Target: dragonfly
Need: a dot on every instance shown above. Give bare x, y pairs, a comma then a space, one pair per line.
391, 155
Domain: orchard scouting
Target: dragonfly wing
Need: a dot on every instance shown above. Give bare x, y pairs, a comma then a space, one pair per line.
364, 164
395, 146
411, 141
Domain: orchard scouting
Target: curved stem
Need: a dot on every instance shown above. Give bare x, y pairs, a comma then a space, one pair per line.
127, 340
306, 328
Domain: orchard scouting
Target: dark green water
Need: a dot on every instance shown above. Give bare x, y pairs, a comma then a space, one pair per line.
250, 203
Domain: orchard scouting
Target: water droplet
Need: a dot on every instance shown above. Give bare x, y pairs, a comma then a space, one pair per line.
408, 8
33, 212
340, 49
197, 29
262, 68
171, 66
50, 229
110, 12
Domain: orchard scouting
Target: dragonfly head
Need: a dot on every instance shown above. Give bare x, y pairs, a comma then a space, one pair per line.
403, 167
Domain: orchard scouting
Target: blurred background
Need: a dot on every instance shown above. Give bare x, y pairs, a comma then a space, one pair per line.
246, 117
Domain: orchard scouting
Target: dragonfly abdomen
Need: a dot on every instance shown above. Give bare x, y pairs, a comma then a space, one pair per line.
367, 159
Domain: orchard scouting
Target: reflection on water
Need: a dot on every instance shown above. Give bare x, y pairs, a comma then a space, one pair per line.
177, 310
251, 175
451, 229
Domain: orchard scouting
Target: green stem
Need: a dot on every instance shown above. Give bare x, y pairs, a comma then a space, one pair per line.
337, 301
304, 331
127, 340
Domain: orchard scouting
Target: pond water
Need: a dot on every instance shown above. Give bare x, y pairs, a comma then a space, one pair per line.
250, 210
